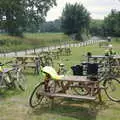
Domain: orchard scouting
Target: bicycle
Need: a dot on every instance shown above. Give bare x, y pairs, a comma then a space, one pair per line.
48, 85
111, 80
12, 76
37, 96
106, 76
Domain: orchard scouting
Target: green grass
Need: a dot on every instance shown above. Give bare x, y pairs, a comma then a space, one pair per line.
14, 105
29, 41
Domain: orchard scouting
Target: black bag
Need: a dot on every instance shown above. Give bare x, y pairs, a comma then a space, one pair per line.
92, 69
77, 70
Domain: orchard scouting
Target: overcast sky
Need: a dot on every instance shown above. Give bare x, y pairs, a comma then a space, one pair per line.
97, 8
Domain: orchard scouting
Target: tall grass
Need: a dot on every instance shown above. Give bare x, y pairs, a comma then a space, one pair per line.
32, 40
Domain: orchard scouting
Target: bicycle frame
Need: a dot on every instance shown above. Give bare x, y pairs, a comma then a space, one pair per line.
9, 76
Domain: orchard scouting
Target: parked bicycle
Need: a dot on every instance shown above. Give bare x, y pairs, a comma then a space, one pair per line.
11, 76
106, 69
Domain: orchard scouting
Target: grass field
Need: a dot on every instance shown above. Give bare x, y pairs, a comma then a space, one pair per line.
14, 104
29, 41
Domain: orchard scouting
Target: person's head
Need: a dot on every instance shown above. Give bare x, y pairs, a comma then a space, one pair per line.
110, 47
89, 54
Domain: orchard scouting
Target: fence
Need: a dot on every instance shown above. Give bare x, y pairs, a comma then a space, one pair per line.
37, 50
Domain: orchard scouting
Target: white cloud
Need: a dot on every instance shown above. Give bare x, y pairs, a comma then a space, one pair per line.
98, 9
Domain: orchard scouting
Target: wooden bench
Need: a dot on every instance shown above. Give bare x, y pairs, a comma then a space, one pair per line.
70, 96
72, 82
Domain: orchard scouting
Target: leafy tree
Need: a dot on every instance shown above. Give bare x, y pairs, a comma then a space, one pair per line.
75, 19
96, 27
16, 15
112, 23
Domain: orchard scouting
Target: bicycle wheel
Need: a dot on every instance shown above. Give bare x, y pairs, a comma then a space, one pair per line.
7, 81
112, 89
20, 82
2, 81
37, 97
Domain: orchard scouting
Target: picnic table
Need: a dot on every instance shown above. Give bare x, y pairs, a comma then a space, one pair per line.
74, 87
31, 61
24, 58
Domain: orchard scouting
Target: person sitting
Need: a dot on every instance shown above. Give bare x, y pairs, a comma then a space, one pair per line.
110, 51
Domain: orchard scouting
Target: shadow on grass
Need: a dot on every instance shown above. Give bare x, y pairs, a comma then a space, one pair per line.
74, 109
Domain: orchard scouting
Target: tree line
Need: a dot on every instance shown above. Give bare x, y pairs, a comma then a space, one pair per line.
18, 16
76, 20
110, 26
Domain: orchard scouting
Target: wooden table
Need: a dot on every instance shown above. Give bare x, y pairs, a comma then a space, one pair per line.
76, 79
63, 91
23, 58
31, 61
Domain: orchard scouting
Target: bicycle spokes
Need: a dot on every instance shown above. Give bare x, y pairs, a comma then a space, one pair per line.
112, 89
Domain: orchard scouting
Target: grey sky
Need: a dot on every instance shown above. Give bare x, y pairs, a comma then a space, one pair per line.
97, 8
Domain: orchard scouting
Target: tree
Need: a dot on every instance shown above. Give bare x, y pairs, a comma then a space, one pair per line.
112, 23
96, 27
75, 19
51, 26
16, 15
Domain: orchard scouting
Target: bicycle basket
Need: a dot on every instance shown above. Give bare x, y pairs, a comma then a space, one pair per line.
92, 69
77, 70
